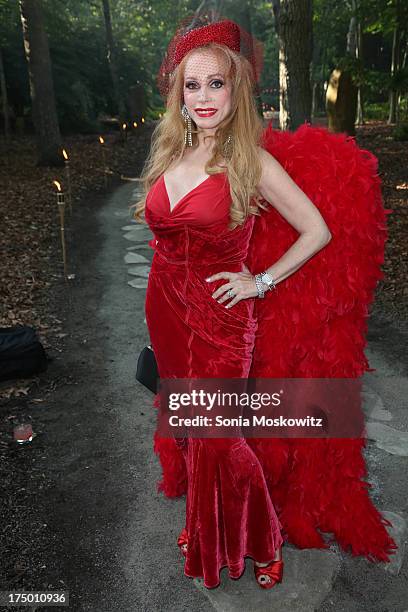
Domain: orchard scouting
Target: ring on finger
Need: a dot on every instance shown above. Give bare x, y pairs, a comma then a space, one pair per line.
230, 293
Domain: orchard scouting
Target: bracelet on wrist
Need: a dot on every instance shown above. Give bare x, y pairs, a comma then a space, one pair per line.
264, 279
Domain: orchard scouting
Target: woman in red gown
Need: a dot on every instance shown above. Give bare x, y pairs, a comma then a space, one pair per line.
206, 179
229, 512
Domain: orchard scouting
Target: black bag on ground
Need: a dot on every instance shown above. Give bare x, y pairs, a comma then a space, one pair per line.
146, 371
21, 353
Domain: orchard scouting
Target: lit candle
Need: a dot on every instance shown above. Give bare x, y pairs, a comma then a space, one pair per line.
65, 154
143, 120
135, 124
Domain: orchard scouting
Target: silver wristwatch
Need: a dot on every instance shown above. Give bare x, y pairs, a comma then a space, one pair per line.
266, 279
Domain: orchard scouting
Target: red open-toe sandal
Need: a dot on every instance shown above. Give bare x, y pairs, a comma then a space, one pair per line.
182, 541
269, 575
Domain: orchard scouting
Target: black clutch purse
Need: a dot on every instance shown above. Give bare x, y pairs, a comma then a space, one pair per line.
146, 370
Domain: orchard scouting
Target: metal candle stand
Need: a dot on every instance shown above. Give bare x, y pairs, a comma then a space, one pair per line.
67, 174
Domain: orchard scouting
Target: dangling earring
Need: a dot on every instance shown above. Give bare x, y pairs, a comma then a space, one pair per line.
227, 147
187, 126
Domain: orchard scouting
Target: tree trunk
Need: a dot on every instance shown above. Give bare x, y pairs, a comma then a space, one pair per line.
355, 49
243, 15
395, 56
293, 19
359, 55
343, 97
4, 97
341, 102
315, 99
112, 61
41, 85
403, 63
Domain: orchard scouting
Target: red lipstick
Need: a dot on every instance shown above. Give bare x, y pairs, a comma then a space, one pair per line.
205, 112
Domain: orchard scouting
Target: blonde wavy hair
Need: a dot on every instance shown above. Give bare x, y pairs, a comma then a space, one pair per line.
243, 123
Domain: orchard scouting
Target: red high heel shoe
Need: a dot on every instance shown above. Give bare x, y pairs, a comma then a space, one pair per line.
182, 542
271, 574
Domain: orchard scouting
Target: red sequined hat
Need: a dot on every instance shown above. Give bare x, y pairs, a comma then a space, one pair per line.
225, 32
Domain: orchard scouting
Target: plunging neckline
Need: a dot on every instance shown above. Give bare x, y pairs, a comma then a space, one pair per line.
171, 210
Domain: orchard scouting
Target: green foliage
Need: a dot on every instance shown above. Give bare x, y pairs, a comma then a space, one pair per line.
376, 87
399, 80
15, 65
400, 132
142, 30
354, 67
154, 113
378, 111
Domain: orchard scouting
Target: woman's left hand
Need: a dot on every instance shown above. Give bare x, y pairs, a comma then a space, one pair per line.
242, 285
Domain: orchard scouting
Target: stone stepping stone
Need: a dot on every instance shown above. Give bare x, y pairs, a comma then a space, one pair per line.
139, 271
373, 406
138, 236
136, 226
121, 213
308, 577
139, 283
135, 258
387, 438
139, 246
399, 532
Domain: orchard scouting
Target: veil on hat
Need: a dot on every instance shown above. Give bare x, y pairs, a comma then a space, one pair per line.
200, 30
314, 325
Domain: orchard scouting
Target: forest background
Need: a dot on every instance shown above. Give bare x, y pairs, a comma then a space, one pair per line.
79, 78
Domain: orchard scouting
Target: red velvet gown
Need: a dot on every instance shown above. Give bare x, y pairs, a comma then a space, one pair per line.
229, 511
